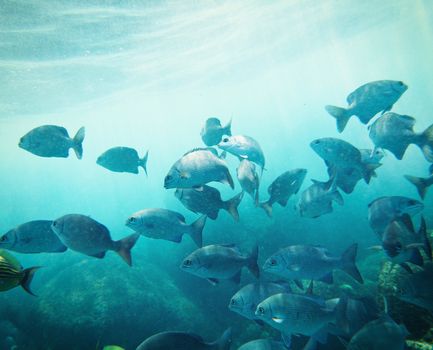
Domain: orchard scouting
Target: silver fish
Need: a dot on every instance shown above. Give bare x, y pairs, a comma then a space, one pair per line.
283, 187
317, 199
263, 344
197, 168
245, 301
297, 314
422, 184
185, 341
87, 236
298, 262
368, 100
213, 131
383, 210
249, 179
215, 262
380, 334
122, 159
32, 237
243, 147
165, 224
207, 200
52, 141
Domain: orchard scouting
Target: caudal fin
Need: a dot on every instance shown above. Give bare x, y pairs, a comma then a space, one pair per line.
78, 142
143, 162
228, 128
342, 116
253, 265
28, 277
419, 183
348, 263
232, 205
223, 343
196, 230
267, 207
426, 143
125, 245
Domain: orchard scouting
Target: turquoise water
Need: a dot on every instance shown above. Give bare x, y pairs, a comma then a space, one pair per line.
147, 74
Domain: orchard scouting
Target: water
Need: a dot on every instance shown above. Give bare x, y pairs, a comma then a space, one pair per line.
147, 75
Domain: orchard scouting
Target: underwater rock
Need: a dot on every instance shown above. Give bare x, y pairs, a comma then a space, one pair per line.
417, 320
96, 303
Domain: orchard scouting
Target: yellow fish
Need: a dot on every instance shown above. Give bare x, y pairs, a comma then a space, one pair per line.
12, 274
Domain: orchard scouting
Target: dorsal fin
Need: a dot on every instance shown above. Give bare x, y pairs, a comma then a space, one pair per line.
210, 149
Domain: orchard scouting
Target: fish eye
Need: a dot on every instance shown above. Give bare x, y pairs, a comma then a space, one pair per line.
187, 262
131, 219
261, 310
400, 83
233, 302
168, 178
225, 139
54, 223
273, 262
2, 239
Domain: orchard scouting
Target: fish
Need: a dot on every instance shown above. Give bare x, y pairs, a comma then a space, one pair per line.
52, 141
13, 275
196, 168
87, 236
347, 178
122, 160
212, 132
422, 184
32, 237
380, 334
263, 344
249, 179
283, 187
394, 132
165, 224
401, 243
316, 200
185, 341
385, 209
220, 261
298, 262
207, 200
244, 147
367, 101
292, 313
245, 301
340, 154
416, 288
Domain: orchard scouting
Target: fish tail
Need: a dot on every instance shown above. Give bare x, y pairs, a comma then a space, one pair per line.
125, 245
228, 128
267, 207
348, 263
342, 115
253, 265
426, 143
196, 230
223, 343
28, 277
425, 239
419, 183
143, 162
78, 142
232, 205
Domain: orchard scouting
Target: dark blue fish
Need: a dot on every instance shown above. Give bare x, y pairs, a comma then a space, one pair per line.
122, 159
184, 341
213, 131
368, 100
52, 141
417, 288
